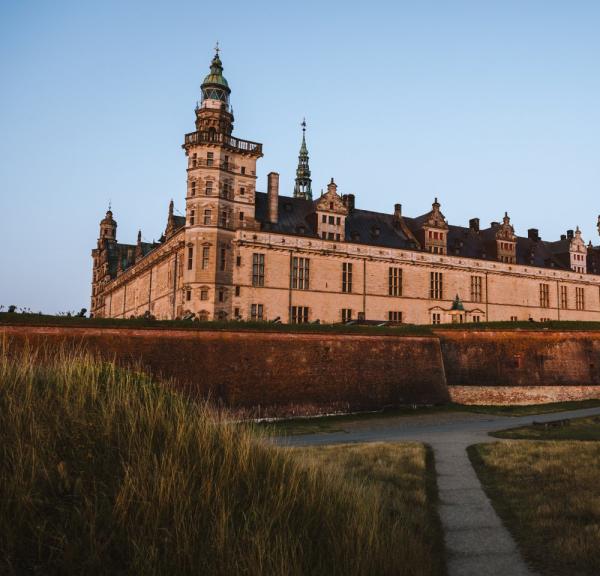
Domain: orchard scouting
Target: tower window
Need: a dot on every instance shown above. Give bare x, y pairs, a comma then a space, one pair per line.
221, 295
207, 217
188, 295
192, 217
224, 218
190, 259
194, 160
223, 260
242, 191
241, 216
209, 188
204, 294
210, 157
193, 188
205, 257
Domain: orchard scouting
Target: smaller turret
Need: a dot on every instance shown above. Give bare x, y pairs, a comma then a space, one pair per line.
303, 188
108, 228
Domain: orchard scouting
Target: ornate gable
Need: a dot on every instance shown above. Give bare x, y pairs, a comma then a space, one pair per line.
506, 241
331, 214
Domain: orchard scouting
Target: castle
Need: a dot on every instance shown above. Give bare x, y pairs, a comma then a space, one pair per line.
243, 254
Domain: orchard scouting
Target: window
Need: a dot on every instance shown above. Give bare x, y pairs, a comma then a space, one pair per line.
236, 313
436, 318
237, 290
331, 220
324, 219
395, 316
564, 297
190, 259
395, 281
224, 218
338, 220
337, 237
300, 273
242, 191
256, 312
579, 298
346, 314
194, 160
258, 269
436, 285
346, 277
299, 314
207, 217
330, 236
476, 319
221, 295
208, 190
192, 217
238, 260
188, 295
193, 188
544, 295
204, 294
476, 288
222, 260
243, 171
241, 216
514, 319
205, 257
210, 156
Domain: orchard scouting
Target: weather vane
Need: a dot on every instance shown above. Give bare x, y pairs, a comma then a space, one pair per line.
303, 124
217, 49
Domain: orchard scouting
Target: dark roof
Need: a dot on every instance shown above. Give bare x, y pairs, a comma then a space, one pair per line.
178, 221
296, 216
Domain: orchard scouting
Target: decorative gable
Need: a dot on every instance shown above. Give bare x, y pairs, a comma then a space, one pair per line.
506, 241
434, 231
331, 214
578, 253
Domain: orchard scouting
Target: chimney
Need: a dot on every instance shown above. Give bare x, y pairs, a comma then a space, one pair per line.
533, 234
397, 212
474, 224
570, 234
272, 197
563, 236
495, 224
350, 204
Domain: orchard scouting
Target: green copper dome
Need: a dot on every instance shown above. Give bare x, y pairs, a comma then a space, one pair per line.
216, 73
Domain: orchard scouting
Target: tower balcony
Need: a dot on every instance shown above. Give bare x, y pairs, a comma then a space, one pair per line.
230, 142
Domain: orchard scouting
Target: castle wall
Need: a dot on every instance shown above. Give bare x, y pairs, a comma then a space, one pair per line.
293, 373
272, 373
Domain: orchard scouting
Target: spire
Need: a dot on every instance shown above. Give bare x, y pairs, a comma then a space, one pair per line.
303, 189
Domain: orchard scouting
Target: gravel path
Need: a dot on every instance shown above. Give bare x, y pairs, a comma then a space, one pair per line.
477, 543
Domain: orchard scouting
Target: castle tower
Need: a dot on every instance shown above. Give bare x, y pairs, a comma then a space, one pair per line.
303, 189
220, 199
107, 241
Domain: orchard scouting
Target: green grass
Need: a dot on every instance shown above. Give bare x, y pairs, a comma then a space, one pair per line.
28, 319
548, 495
104, 472
578, 429
344, 422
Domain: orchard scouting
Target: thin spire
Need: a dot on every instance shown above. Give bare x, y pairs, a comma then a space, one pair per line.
303, 188
217, 49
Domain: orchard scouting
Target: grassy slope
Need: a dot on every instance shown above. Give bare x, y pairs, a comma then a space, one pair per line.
548, 494
402, 476
578, 429
102, 472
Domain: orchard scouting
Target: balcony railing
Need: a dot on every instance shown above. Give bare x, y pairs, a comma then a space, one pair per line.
232, 142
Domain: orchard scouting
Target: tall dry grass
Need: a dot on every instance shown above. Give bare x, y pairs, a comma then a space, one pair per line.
104, 472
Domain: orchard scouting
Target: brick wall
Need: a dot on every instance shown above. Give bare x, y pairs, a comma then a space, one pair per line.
273, 373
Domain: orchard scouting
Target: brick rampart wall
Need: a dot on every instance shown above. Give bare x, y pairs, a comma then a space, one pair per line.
273, 373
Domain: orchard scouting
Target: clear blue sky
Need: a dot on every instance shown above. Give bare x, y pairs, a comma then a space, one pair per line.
490, 106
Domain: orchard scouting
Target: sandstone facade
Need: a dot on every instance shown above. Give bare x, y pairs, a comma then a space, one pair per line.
243, 254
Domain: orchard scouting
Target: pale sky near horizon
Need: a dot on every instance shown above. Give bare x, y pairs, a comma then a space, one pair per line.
490, 106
